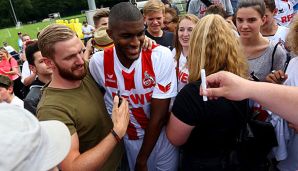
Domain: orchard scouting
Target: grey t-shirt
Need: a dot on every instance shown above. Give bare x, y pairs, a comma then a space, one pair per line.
198, 8
261, 65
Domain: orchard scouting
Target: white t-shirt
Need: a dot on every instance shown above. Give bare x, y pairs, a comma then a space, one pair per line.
150, 76
26, 72
280, 35
291, 162
87, 31
183, 70
285, 12
17, 102
198, 8
9, 49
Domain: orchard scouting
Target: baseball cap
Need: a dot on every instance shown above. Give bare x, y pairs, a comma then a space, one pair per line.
27, 144
5, 81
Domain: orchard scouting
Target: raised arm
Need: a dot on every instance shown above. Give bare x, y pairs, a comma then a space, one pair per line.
95, 158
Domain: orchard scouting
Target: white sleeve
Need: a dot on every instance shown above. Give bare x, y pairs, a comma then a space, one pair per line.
25, 71
96, 67
229, 8
165, 74
191, 7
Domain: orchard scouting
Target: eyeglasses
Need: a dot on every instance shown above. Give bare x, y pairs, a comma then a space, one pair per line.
167, 23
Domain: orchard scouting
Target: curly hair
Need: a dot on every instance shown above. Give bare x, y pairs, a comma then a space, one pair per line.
292, 37
214, 47
194, 19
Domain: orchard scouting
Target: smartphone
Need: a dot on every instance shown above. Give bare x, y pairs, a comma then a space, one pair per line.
120, 98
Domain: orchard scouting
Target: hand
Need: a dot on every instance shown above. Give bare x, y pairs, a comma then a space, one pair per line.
226, 84
120, 116
148, 43
141, 165
276, 77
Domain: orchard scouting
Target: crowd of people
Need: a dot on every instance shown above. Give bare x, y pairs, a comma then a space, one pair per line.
128, 96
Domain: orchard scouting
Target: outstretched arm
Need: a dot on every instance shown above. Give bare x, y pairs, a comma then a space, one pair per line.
282, 100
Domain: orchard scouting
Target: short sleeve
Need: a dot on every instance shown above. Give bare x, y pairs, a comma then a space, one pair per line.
54, 113
165, 73
187, 105
14, 63
280, 57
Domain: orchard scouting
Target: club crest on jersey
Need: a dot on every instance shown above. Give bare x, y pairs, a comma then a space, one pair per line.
148, 80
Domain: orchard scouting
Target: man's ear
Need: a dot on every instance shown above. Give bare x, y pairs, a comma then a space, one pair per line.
145, 20
32, 68
10, 89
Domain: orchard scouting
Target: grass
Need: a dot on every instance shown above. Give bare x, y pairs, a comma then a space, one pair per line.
10, 35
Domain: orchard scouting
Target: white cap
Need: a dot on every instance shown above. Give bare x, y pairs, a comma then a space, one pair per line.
27, 144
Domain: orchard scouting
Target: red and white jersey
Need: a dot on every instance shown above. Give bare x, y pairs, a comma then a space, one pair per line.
152, 75
285, 12
182, 73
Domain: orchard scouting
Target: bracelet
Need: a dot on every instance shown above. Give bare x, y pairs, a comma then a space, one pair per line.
118, 139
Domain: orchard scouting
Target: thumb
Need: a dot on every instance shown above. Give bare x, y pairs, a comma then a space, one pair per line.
116, 101
213, 92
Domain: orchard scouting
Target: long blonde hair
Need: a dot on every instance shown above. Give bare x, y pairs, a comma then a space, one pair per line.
292, 37
2, 49
214, 47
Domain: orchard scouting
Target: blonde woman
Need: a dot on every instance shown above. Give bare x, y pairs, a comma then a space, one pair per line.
207, 130
8, 65
10, 68
185, 26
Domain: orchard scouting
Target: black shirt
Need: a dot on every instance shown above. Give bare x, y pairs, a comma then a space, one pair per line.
217, 122
167, 39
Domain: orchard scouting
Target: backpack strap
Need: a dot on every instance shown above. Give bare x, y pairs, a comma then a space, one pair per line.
273, 54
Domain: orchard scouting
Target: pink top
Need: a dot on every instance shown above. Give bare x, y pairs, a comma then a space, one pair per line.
5, 66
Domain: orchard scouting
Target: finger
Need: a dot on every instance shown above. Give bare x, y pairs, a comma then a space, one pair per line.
270, 79
149, 44
273, 78
213, 92
283, 75
116, 102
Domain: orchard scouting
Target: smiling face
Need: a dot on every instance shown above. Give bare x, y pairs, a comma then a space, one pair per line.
3, 53
185, 28
154, 21
68, 59
128, 37
249, 22
40, 66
